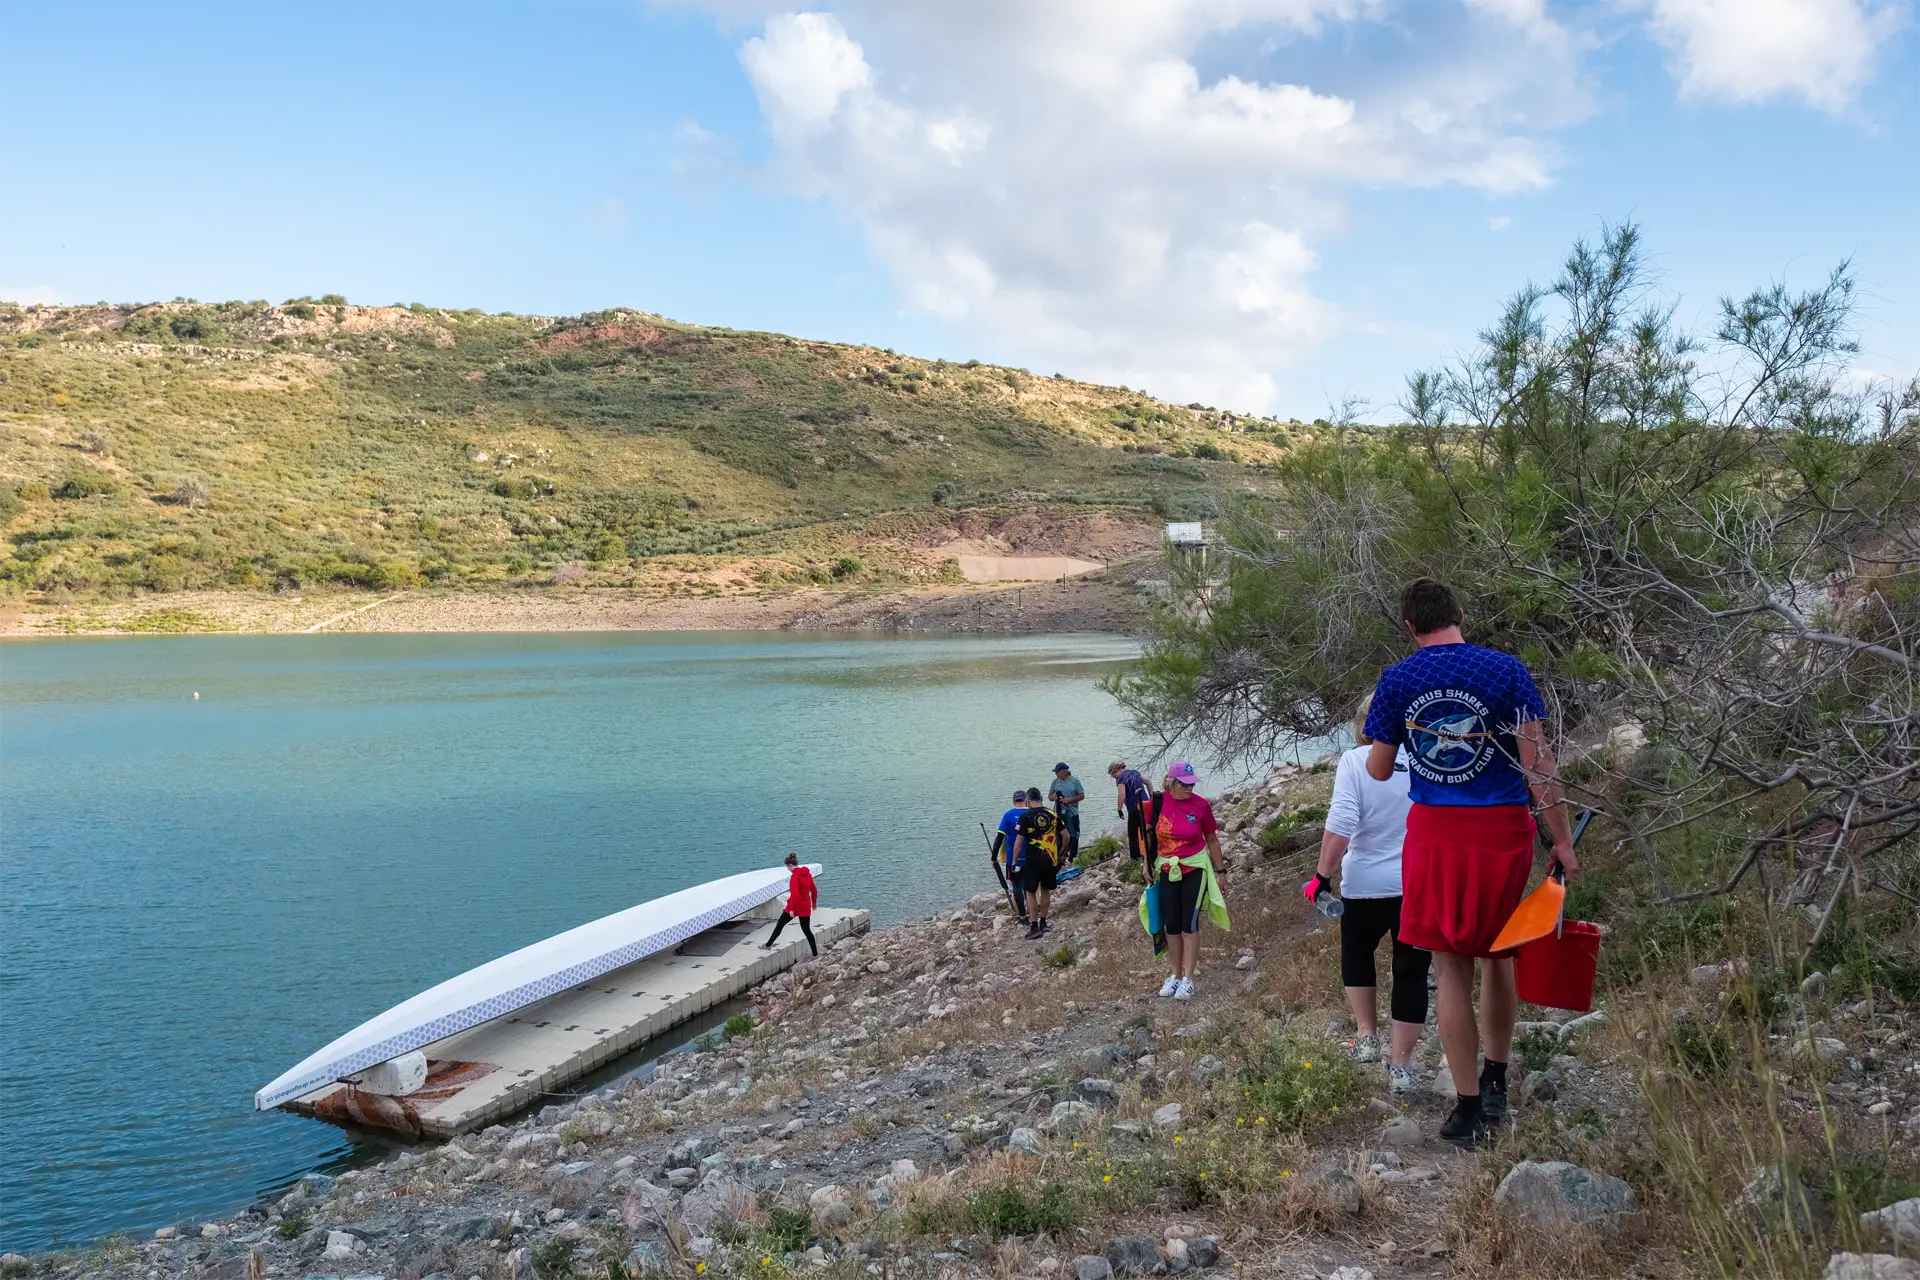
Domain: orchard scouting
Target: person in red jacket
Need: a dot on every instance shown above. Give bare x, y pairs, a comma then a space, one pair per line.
801, 897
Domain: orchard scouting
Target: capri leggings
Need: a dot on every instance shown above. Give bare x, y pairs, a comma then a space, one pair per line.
1361, 928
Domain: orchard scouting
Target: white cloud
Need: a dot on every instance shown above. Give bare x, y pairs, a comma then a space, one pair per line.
1067, 180
30, 295
1752, 50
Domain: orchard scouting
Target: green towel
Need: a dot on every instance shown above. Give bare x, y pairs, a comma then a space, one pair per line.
1212, 901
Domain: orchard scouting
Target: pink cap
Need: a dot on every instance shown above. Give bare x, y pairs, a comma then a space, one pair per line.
1182, 772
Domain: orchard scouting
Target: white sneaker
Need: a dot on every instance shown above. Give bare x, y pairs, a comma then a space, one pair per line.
1184, 991
1171, 985
1365, 1048
1400, 1079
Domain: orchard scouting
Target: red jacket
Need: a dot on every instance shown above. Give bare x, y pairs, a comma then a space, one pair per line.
801, 895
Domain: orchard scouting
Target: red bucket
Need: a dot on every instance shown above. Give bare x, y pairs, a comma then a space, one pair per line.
1557, 972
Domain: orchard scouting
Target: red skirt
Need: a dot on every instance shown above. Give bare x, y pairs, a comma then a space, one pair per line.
1463, 870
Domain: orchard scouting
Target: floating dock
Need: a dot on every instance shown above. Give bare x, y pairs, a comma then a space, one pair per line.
489, 1072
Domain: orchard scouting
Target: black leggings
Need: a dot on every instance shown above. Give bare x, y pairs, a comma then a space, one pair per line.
1140, 836
1366, 921
806, 927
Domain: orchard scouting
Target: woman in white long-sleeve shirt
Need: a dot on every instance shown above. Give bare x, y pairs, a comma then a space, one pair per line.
1366, 824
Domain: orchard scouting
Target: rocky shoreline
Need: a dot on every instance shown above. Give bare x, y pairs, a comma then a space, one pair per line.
945, 1099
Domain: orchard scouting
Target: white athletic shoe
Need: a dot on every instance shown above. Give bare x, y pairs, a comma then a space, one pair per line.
1365, 1048
1171, 985
1185, 990
1400, 1079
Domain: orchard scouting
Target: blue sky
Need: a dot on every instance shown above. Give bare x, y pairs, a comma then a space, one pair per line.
1270, 205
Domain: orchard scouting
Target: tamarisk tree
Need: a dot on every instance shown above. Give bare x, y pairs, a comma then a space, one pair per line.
1706, 544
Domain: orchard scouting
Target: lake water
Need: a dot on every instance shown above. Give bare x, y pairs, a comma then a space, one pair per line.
194, 894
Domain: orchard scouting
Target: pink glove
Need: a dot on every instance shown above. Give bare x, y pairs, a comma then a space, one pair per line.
1311, 890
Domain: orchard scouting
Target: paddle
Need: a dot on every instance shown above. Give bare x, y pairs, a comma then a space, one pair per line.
1539, 912
999, 875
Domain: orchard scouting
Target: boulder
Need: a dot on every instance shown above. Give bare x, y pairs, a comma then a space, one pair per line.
903, 1171
1203, 1251
1102, 1056
1554, 1193
645, 1207
1169, 1116
1068, 1117
1894, 1228
1133, 1255
1025, 1141
531, 1146
341, 1246
1091, 1266
577, 1190
1402, 1131
1870, 1266
718, 1202
1097, 1092
829, 1209
1340, 1190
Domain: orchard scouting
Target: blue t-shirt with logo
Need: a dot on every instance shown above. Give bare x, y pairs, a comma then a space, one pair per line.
1009, 824
1135, 788
1455, 708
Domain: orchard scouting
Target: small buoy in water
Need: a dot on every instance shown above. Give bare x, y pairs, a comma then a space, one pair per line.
196, 695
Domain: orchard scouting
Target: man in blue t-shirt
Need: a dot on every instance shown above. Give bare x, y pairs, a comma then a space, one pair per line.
1471, 720
1066, 793
1004, 847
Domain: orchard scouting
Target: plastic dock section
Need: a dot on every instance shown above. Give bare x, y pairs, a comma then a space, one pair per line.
490, 1072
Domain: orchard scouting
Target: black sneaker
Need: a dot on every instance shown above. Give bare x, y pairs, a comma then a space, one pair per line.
1493, 1102
1034, 930
1046, 926
1464, 1129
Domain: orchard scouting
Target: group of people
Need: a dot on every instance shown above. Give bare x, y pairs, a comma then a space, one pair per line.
1431, 831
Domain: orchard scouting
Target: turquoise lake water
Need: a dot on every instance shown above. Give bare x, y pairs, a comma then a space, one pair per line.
196, 894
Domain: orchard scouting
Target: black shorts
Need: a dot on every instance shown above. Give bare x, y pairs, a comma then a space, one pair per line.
1366, 921
1180, 901
1038, 874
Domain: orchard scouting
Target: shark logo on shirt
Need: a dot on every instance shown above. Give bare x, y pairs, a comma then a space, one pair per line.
1448, 738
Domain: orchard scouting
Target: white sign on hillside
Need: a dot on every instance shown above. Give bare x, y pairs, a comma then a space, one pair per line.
1186, 533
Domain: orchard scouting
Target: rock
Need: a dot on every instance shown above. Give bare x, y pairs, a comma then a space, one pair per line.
1340, 1189
1403, 1131
1709, 976
682, 1177
1350, 1273
595, 1124
792, 1127
1773, 1198
1099, 1093
577, 1190
882, 1196
647, 1258
531, 1146
519, 1265
13, 1261
1894, 1228
1169, 1116
1246, 961
956, 1146
700, 1247
879, 967
1585, 1022
316, 1185
1068, 1117
1194, 1030
1203, 1251
1025, 1141
829, 1208
1870, 1266
1091, 1266
903, 1171
718, 1202
341, 1246
1099, 1058
1820, 1048
1208, 1067
1553, 1192
483, 1226
1133, 1255
1443, 1082
1814, 986
1539, 1087
1128, 1129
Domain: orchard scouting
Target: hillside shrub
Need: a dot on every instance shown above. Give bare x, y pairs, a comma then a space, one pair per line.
86, 484
1013, 1210
1297, 1084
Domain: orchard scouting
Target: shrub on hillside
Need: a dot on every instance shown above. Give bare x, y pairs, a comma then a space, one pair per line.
85, 484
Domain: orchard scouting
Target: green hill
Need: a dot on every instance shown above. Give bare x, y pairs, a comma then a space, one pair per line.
242, 445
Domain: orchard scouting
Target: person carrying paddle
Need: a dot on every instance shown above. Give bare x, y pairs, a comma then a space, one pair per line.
1036, 847
1003, 849
1473, 726
802, 896
1131, 801
1188, 875
1366, 824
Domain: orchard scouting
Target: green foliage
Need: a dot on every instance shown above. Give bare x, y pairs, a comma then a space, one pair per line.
1134, 872
1097, 850
1535, 1049
739, 1024
1297, 1084
290, 1226
787, 1230
1285, 829
11, 503
1061, 957
554, 1259
1011, 1209
86, 483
